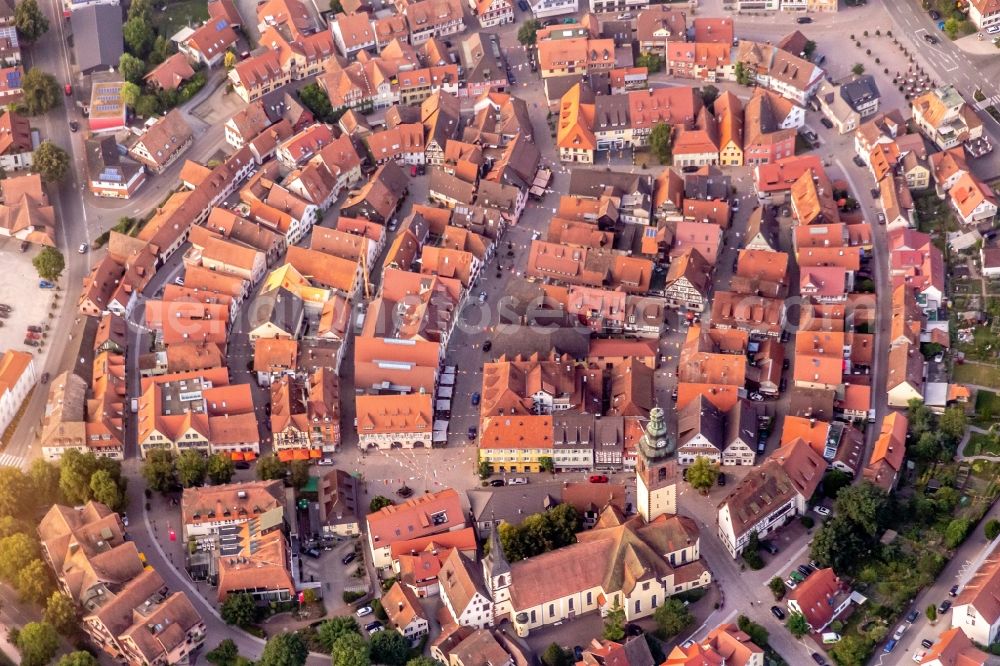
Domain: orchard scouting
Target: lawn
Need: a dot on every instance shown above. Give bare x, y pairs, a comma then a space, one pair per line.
984, 347
987, 408
975, 373
982, 445
169, 18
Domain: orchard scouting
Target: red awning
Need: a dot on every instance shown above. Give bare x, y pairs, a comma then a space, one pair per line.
300, 454
237, 455
315, 453
250, 455
285, 455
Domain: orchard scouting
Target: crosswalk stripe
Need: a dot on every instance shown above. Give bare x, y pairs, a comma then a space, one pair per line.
9, 460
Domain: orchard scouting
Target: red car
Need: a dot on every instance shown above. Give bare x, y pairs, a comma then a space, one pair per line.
598, 478
69, 90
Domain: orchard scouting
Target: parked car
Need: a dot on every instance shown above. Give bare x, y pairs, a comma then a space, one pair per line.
632, 629
912, 616
875, 193
33, 335
523, 6
935, 14
473, 431
74, 126
31, 343
796, 576
518, 481
35, 329
598, 478
858, 161
45, 378
900, 630
82, 249
943, 608
497, 483
804, 570
373, 627
241, 464
821, 510
890, 646
311, 552
68, 89
769, 547
756, 397
953, 592
804, 19
826, 122
880, 217
777, 612
791, 584
347, 559
325, 462
362, 612
818, 658
578, 653
476, 398
722, 479
993, 29
927, 643
179, 281
919, 655
45, 284
488, 345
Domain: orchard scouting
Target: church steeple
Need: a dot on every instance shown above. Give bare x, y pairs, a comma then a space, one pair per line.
656, 470
495, 565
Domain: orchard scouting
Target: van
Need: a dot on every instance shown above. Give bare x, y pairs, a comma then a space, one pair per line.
830, 637
135, 405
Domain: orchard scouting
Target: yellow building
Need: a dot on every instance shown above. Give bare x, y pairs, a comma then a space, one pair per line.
516, 443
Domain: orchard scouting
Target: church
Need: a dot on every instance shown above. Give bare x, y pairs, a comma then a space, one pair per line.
633, 562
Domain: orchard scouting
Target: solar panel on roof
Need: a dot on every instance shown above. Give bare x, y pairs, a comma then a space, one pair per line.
221, 24
110, 176
14, 79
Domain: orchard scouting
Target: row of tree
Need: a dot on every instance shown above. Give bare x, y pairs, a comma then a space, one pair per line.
164, 470
540, 533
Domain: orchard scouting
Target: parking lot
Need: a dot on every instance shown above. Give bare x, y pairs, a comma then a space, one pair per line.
29, 305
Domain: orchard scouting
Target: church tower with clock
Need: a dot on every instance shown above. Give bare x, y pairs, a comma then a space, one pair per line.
656, 470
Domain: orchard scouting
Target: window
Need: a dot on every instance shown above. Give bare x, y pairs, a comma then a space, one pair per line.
654, 601
571, 603
589, 598
645, 586
638, 605
532, 617
552, 610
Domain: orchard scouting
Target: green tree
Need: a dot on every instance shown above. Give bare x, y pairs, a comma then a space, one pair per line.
858, 69
709, 94
225, 653
546, 464
29, 20
931, 613
777, 587
527, 33
554, 655
336, 7
852, 650
40, 92
161, 50
16, 552
286, 650
797, 625
37, 642
60, 612
840, 544
744, 77
191, 468
159, 470
15, 492
147, 106
220, 468
614, 622
75, 470
956, 532
131, 94
423, 661
953, 423
483, 469
659, 142
298, 473
703, 474
651, 61
239, 609
390, 648
317, 101
139, 36
105, 490
672, 618
131, 68
270, 468
229, 60
350, 650
378, 503
809, 49
540, 532
33, 582
10, 525
44, 477
865, 505
140, 9
51, 161
329, 631
758, 634
991, 529
78, 658
952, 27
833, 481
49, 263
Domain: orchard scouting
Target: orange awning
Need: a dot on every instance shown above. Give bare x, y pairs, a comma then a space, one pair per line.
315, 453
285, 455
237, 455
250, 455
300, 454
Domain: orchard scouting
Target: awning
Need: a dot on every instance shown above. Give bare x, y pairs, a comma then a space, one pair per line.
285, 455
237, 455
250, 455
300, 454
315, 453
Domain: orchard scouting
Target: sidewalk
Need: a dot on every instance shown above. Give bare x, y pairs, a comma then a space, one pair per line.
975, 46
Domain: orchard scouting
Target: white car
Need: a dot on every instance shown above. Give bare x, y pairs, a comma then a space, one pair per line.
821, 510
324, 462
125, 520
179, 281
900, 630
362, 612
517, 481
83, 248
993, 29
624, 17
918, 656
